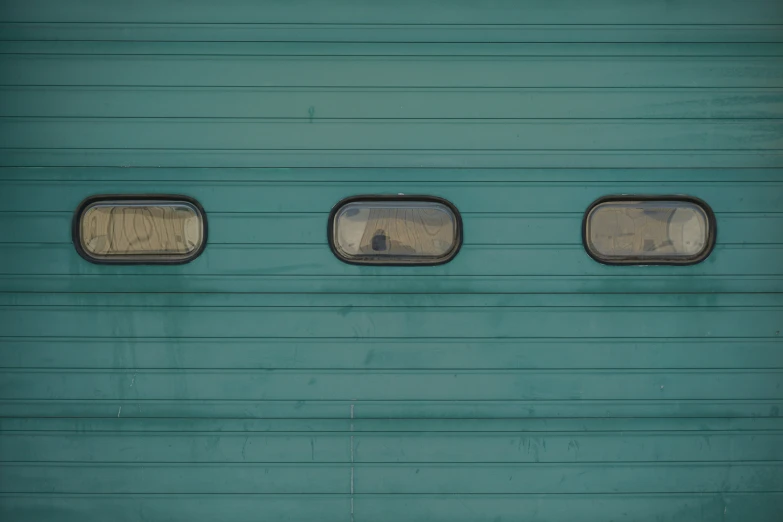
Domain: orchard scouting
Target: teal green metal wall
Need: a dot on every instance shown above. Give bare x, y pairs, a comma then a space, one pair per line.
267, 380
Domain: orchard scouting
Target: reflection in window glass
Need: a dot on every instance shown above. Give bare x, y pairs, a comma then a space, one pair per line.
637, 232
395, 232
141, 231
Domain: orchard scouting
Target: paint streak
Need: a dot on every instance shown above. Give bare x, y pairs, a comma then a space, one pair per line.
352, 462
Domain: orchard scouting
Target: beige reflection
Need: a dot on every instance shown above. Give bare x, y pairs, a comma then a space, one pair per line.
168, 230
395, 229
647, 229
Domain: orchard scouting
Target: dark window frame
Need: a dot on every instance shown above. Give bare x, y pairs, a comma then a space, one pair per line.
171, 198
395, 197
712, 231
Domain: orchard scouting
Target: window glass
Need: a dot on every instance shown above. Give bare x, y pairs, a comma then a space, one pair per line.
140, 231
395, 231
648, 230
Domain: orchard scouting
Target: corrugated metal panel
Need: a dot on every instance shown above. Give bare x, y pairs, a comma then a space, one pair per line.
267, 379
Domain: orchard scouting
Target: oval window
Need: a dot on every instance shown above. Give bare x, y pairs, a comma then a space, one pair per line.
646, 230
395, 230
139, 229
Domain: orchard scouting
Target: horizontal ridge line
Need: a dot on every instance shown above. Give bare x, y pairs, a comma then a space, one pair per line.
347, 462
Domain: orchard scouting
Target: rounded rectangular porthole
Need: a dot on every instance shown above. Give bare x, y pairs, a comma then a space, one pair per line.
649, 230
145, 229
395, 230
